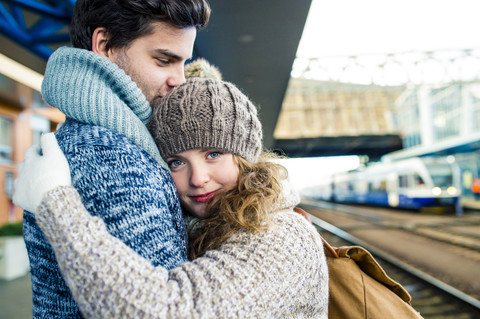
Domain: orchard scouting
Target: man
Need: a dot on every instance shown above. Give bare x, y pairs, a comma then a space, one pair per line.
114, 162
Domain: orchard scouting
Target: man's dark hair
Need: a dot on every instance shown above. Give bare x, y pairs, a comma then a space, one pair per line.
126, 20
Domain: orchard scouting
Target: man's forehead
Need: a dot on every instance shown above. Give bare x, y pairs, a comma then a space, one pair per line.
170, 41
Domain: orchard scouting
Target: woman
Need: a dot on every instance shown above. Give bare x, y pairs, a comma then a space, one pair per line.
254, 256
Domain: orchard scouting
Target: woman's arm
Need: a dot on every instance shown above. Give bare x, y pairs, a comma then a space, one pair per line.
281, 271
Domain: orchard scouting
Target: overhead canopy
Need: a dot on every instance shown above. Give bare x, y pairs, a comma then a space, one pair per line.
252, 42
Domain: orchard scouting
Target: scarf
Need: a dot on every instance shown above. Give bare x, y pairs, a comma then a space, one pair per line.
90, 89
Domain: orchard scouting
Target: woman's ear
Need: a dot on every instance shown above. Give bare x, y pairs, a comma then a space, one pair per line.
99, 41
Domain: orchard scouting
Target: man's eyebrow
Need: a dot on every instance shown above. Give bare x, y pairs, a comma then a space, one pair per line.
170, 54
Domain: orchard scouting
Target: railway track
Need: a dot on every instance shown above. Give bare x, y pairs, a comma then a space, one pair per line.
431, 297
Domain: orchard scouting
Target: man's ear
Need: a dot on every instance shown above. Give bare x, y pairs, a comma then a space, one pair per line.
99, 41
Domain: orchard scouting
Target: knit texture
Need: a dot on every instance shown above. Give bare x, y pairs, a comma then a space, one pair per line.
130, 191
90, 89
117, 179
277, 273
205, 113
201, 68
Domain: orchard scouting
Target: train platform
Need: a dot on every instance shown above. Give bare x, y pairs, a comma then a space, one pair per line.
446, 247
16, 298
470, 203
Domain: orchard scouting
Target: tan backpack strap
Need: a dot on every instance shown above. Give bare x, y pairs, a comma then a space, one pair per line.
329, 250
303, 213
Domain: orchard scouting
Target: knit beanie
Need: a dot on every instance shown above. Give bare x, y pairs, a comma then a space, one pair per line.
205, 113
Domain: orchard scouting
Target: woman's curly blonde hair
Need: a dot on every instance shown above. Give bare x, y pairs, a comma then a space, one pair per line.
247, 206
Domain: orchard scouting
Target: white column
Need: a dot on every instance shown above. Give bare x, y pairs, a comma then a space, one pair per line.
466, 123
426, 116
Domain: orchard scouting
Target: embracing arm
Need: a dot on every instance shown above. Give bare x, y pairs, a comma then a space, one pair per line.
275, 272
136, 199
85, 252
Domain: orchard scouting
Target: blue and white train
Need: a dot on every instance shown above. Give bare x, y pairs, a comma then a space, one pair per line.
416, 183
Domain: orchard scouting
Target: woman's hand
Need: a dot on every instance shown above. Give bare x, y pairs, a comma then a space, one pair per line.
39, 174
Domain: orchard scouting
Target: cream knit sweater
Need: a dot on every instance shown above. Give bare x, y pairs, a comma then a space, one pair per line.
278, 273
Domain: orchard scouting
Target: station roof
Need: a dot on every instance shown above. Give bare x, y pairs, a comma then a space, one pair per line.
252, 42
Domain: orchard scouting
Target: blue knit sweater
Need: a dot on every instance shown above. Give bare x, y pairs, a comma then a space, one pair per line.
115, 167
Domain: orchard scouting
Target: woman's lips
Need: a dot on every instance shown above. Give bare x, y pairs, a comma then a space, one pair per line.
204, 197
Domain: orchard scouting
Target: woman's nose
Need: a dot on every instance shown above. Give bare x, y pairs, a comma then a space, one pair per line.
199, 176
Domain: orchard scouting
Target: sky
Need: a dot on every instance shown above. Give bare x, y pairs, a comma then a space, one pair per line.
356, 27
351, 27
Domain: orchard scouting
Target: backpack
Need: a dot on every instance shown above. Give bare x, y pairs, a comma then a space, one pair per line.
360, 288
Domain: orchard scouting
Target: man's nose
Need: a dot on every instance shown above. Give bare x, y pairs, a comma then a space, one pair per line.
177, 77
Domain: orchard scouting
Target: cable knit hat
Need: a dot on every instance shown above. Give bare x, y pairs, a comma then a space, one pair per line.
206, 113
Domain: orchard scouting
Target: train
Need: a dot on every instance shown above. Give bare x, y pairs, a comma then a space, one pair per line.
421, 183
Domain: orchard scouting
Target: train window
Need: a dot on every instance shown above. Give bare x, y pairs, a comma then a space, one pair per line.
442, 174
361, 186
419, 182
383, 186
377, 186
403, 181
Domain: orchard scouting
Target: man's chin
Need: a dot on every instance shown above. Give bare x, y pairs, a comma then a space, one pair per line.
155, 101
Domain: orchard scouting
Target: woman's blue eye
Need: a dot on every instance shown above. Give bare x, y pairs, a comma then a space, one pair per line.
175, 163
214, 154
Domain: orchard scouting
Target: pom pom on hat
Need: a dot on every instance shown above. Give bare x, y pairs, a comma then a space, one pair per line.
201, 68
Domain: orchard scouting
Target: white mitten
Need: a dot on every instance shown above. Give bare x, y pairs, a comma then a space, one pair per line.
39, 174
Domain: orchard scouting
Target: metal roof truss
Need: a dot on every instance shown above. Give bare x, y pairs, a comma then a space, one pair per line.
36, 25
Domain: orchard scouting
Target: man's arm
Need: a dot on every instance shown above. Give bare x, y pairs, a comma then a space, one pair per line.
124, 186
275, 272
135, 197
51, 297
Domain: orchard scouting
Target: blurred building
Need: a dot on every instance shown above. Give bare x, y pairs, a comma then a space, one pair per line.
443, 120
24, 116
332, 118
431, 100
440, 119
313, 108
